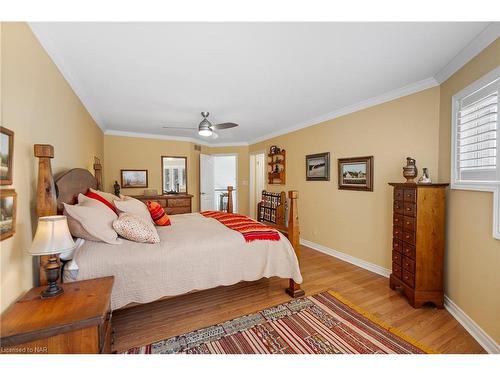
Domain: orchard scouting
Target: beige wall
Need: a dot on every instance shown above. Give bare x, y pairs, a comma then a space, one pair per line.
145, 153
472, 254
360, 223
40, 107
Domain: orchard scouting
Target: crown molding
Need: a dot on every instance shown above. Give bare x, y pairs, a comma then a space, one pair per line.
45, 41
479, 43
172, 138
376, 100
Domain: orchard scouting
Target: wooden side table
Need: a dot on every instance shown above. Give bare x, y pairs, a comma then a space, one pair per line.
77, 321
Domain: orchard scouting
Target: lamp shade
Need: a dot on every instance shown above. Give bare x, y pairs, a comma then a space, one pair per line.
52, 236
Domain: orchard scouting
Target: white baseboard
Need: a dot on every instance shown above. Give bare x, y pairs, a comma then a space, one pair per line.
470, 326
347, 258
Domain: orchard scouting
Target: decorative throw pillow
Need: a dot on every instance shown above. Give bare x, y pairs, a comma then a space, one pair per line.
135, 228
133, 206
158, 214
95, 218
100, 198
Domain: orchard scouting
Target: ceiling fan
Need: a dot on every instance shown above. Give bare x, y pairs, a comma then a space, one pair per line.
205, 127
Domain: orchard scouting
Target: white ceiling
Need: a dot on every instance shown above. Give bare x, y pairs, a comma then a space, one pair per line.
268, 77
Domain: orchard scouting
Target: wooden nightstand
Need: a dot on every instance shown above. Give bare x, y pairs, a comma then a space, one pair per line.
77, 321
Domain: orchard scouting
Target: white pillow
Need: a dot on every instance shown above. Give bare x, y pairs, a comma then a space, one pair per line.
95, 218
135, 228
133, 206
108, 196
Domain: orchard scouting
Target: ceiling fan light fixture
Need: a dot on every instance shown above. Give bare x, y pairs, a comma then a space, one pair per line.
205, 132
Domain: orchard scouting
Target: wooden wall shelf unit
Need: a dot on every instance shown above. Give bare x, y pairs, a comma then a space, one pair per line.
418, 242
276, 160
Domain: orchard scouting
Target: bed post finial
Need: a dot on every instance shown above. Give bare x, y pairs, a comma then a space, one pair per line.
46, 197
98, 172
230, 199
294, 289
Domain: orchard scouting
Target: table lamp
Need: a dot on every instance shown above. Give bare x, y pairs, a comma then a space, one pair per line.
52, 237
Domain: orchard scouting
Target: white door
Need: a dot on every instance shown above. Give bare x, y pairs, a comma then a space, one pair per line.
206, 182
257, 181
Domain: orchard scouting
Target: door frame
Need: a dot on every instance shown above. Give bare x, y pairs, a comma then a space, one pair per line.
251, 178
237, 187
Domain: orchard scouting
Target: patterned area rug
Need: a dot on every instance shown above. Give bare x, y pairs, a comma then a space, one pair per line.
325, 323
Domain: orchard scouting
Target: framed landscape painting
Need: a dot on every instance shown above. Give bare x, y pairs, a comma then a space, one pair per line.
6, 155
356, 173
8, 203
134, 178
318, 167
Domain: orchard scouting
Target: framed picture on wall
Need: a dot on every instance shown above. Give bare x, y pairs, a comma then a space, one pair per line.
318, 167
6, 155
356, 173
134, 178
8, 205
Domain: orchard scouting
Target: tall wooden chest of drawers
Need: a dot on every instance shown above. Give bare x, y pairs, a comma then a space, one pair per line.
418, 242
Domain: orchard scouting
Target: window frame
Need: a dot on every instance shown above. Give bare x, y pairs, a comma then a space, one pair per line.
486, 186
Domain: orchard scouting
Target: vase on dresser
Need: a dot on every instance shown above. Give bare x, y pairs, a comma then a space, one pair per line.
418, 242
410, 170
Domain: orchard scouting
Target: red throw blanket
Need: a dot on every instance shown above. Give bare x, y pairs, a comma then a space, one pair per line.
250, 229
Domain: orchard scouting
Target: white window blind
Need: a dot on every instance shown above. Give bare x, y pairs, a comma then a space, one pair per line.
477, 134
475, 137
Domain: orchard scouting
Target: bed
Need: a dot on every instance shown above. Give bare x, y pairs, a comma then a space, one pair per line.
194, 253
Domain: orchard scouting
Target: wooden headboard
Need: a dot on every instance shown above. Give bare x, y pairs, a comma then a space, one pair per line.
71, 183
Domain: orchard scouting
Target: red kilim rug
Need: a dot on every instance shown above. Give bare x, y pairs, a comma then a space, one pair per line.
325, 323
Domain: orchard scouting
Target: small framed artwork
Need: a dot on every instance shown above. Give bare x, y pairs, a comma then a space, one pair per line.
6, 155
356, 173
134, 178
8, 204
318, 167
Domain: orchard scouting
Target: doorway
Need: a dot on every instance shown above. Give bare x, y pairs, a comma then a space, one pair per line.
257, 180
217, 172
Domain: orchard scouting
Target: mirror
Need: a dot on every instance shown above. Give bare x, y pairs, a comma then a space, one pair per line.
174, 174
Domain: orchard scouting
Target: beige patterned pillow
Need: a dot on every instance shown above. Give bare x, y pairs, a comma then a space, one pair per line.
135, 228
133, 206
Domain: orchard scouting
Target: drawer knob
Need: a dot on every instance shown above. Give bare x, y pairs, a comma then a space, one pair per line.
407, 223
407, 236
408, 209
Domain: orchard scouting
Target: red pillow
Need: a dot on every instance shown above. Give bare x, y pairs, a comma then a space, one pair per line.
97, 197
158, 214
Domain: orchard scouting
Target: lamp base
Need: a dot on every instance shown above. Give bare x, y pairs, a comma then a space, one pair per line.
52, 274
52, 291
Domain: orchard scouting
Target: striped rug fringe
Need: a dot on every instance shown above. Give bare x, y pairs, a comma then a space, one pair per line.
383, 324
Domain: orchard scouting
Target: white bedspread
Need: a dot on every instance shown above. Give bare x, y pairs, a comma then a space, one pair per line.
194, 253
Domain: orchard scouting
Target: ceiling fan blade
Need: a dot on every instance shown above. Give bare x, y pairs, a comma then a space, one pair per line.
178, 127
224, 125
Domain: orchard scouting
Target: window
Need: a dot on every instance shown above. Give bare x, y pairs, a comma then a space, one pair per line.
475, 140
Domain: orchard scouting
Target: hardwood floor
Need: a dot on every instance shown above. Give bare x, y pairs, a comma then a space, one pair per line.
148, 323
